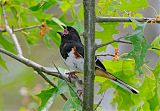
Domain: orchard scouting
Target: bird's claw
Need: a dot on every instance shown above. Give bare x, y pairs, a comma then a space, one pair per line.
79, 92
72, 75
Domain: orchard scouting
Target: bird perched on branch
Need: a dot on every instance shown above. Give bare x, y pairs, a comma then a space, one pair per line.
72, 51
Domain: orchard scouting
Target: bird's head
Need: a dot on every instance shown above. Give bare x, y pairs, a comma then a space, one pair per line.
69, 33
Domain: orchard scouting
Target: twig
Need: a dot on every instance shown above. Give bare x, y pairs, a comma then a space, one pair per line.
26, 28
104, 55
99, 102
155, 48
116, 40
125, 19
68, 83
9, 30
22, 28
51, 83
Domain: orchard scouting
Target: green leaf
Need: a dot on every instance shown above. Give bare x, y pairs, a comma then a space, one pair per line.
62, 86
103, 86
14, 12
44, 5
155, 101
6, 44
72, 104
66, 4
128, 5
46, 40
139, 46
127, 66
56, 38
47, 97
57, 21
53, 33
79, 27
156, 44
42, 16
106, 8
3, 63
124, 70
106, 32
139, 101
120, 69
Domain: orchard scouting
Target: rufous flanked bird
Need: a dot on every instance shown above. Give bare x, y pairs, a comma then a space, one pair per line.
72, 51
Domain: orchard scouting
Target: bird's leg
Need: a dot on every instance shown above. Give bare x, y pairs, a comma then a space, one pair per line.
72, 75
79, 92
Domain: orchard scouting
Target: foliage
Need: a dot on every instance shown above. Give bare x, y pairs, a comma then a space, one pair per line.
156, 44
23, 13
139, 46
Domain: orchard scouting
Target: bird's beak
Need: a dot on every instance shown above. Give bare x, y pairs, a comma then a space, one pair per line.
65, 31
60, 33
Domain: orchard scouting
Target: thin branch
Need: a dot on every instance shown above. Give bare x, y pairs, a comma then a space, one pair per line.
99, 102
126, 19
156, 48
51, 83
9, 30
34, 65
22, 28
26, 28
125, 42
105, 55
116, 40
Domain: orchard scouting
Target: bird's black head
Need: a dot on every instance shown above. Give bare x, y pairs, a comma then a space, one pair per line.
69, 33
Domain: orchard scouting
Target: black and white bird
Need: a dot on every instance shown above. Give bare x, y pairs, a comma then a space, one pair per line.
72, 51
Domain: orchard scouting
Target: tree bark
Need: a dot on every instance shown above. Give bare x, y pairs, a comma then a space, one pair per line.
89, 61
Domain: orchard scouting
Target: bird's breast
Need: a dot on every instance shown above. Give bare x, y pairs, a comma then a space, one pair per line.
74, 61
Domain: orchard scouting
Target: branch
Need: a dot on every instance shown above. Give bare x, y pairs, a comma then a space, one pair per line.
40, 69
156, 48
26, 28
22, 28
105, 55
51, 83
9, 30
99, 102
116, 40
34, 65
126, 19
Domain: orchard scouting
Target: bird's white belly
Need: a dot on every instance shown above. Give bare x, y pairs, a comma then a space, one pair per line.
73, 63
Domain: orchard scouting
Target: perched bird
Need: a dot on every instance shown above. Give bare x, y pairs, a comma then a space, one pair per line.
72, 51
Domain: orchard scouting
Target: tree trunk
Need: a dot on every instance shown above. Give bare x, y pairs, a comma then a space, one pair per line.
89, 61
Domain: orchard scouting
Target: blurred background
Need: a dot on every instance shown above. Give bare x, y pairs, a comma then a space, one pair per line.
19, 85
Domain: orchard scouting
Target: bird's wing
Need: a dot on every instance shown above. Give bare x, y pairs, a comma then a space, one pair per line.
101, 71
98, 63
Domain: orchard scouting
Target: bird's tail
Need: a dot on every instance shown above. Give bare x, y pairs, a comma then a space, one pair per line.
117, 81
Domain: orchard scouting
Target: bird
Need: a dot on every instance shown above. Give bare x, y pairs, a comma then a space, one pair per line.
72, 51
